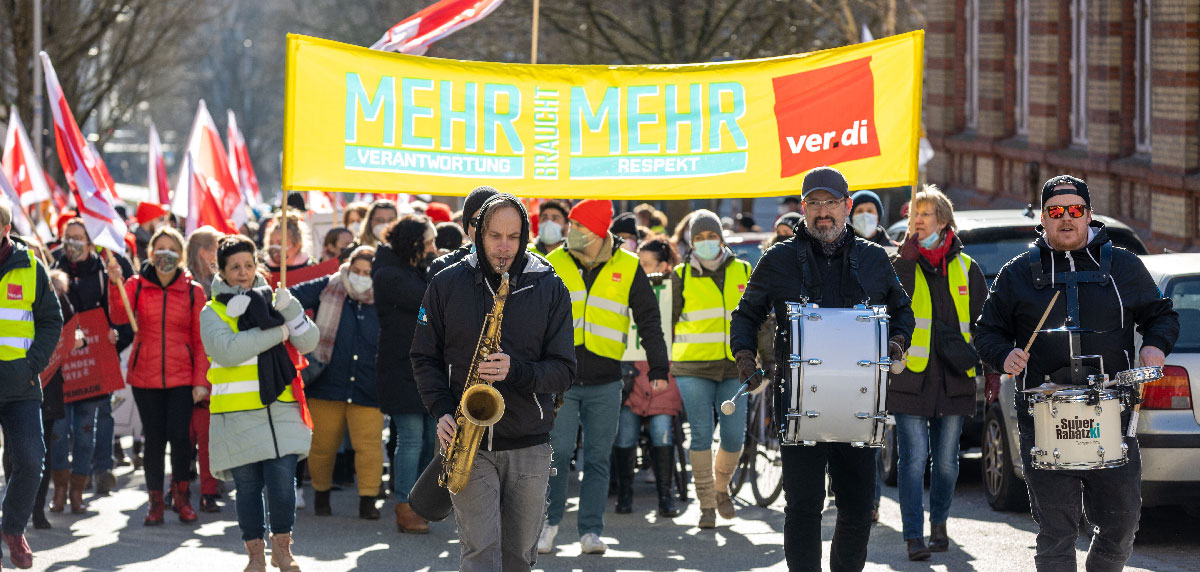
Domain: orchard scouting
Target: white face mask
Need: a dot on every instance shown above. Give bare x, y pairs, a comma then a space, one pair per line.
865, 223
358, 283
378, 230
550, 232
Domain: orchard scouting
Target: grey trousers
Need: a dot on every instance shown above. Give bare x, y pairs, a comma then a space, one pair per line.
499, 513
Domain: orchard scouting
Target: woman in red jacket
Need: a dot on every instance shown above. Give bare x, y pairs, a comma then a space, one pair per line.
167, 367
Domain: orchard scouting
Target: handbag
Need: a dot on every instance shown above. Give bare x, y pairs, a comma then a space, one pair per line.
955, 351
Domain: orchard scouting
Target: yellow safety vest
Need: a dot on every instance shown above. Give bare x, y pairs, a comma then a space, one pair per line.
235, 388
600, 316
18, 289
922, 305
702, 332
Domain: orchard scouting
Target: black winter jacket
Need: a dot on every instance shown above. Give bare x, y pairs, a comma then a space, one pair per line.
446, 260
535, 332
399, 288
828, 281
1113, 309
89, 286
19, 378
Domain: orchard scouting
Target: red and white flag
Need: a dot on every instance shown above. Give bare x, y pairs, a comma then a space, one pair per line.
85, 170
209, 161
21, 163
203, 205
156, 179
20, 224
239, 162
438, 20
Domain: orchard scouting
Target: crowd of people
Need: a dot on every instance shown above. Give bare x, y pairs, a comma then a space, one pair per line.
245, 377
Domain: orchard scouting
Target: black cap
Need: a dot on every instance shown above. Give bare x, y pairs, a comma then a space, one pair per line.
789, 219
475, 201
826, 179
1080, 188
624, 223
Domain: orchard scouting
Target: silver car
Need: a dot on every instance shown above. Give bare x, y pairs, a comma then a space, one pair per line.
1169, 423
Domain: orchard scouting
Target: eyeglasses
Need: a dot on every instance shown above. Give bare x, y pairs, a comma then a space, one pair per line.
820, 205
1057, 211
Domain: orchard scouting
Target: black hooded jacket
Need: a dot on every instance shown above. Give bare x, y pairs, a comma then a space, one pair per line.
535, 333
1130, 299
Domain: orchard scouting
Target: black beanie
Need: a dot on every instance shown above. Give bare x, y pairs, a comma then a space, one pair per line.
475, 201
1081, 189
624, 222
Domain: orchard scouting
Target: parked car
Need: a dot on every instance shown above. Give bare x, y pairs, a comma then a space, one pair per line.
992, 238
1168, 426
747, 246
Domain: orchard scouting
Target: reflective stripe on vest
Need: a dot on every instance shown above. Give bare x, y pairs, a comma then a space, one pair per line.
922, 305
236, 388
600, 316
702, 332
18, 288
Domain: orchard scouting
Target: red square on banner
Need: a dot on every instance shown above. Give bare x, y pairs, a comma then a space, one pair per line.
825, 116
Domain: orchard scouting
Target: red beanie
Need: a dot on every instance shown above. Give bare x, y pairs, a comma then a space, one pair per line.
438, 212
594, 214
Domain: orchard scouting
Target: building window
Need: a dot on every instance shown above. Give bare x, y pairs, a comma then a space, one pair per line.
1021, 58
972, 63
1079, 72
1141, 74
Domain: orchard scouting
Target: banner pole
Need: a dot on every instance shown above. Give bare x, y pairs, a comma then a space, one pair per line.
124, 296
283, 246
534, 47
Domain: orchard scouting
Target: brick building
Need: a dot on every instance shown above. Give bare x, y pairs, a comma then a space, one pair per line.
1017, 91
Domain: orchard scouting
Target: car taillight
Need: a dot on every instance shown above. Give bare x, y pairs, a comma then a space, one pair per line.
1170, 392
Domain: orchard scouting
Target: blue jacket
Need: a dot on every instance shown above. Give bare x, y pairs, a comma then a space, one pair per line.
350, 374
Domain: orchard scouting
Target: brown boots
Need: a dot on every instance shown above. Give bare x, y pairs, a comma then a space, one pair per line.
702, 475
726, 464
257, 550
281, 553
60, 480
78, 484
408, 521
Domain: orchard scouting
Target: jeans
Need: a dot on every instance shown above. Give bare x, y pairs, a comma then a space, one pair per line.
917, 439
852, 475
166, 418
22, 425
596, 407
278, 477
499, 512
1111, 499
630, 428
102, 459
75, 437
701, 398
416, 443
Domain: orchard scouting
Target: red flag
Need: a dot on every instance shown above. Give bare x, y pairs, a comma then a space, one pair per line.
203, 207
210, 161
239, 162
21, 163
414, 34
84, 169
157, 177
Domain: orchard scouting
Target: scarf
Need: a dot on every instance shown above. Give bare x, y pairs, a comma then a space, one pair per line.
828, 248
276, 368
937, 256
329, 314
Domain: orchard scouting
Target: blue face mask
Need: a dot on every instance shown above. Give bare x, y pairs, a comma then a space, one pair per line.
707, 249
929, 241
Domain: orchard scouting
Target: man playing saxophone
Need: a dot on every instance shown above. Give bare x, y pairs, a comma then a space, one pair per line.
499, 512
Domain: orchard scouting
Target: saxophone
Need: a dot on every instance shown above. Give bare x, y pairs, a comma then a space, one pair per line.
481, 406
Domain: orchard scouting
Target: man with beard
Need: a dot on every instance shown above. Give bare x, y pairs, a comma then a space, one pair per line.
1074, 256
499, 511
827, 265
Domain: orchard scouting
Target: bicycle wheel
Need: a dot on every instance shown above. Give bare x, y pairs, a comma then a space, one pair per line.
681, 472
745, 467
767, 484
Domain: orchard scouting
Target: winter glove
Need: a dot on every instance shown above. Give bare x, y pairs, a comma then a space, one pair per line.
283, 298
747, 366
896, 353
991, 388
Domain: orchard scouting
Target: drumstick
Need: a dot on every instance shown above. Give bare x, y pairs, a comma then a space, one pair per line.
1133, 417
729, 406
1041, 322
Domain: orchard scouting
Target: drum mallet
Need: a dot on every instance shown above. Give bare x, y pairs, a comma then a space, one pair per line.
1041, 322
729, 406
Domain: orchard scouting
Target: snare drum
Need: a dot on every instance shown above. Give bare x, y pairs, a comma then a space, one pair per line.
833, 390
1077, 429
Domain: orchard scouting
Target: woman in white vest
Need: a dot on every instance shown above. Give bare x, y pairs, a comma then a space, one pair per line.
931, 396
705, 290
244, 329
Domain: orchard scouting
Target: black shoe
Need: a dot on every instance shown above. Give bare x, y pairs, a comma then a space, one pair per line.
105, 483
367, 509
39, 520
321, 503
664, 468
917, 549
939, 541
625, 458
208, 503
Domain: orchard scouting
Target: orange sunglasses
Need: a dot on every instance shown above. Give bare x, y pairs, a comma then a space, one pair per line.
1057, 211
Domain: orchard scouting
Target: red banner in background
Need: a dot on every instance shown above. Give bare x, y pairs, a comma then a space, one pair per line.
298, 275
66, 341
94, 369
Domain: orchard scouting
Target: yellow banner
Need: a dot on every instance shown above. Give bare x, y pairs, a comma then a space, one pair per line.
359, 120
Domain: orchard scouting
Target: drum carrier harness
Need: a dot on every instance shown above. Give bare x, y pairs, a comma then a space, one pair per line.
1071, 280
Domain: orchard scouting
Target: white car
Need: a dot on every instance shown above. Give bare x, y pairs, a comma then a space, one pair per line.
1169, 423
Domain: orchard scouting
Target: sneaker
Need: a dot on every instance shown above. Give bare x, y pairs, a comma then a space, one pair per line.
590, 543
300, 498
546, 538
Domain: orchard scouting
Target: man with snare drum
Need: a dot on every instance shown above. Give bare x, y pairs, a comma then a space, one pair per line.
1091, 295
825, 264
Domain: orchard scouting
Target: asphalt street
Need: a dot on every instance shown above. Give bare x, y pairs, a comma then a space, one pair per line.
113, 538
